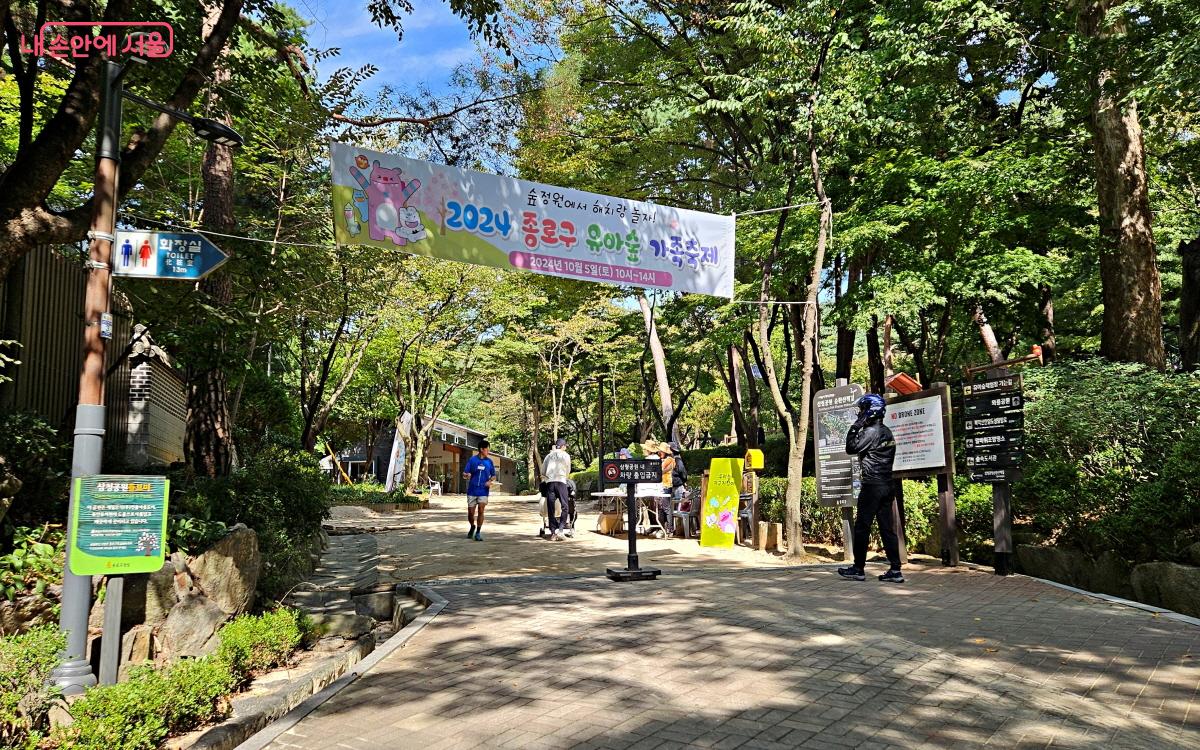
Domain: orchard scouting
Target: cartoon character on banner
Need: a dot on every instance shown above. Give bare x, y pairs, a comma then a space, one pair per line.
387, 215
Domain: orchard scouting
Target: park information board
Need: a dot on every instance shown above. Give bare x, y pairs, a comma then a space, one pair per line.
719, 516
834, 412
920, 423
430, 209
994, 428
119, 526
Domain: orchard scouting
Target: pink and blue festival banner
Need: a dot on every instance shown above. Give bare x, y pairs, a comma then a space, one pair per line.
502, 222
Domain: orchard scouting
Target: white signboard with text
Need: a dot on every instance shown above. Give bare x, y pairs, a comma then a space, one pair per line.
920, 436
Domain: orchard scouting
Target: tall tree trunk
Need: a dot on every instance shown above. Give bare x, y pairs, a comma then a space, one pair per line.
889, 369
209, 430
1049, 343
844, 357
754, 427
660, 366
733, 385
1132, 289
987, 334
874, 357
1189, 305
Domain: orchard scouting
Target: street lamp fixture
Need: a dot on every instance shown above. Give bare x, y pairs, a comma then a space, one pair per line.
216, 132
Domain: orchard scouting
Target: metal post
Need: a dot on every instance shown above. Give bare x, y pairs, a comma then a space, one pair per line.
898, 518
1002, 527
631, 531
74, 673
600, 441
847, 511
949, 528
110, 639
848, 533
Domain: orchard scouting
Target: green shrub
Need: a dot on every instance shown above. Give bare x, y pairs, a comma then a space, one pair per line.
256, 643
1105, 454
282, 494
26, 697
775, 456
192, 535
35, 562
36, 455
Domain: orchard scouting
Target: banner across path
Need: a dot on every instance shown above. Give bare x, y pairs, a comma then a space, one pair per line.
455, 214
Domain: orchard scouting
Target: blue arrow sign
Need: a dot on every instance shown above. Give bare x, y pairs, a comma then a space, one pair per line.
165, 255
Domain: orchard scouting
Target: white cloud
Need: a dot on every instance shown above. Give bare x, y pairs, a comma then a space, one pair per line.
448, 59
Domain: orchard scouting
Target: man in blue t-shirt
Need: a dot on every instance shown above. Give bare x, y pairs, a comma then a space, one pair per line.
480, 473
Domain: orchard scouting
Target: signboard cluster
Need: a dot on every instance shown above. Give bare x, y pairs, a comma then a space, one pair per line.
994, 427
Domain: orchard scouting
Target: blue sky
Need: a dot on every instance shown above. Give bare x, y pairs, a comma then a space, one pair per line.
435, 41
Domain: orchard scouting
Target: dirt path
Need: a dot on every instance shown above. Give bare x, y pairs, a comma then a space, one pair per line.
435, 545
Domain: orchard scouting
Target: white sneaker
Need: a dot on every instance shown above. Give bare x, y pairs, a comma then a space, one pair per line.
556, 537
569, 533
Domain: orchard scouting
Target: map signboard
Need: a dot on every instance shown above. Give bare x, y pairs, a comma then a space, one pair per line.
834, 412
994, 425
119, 526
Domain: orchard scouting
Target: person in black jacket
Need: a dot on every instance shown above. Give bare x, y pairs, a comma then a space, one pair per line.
873, 443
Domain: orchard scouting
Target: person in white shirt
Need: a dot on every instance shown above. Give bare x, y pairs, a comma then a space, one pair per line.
556, 469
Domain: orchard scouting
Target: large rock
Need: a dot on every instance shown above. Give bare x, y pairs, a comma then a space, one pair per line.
25, 612
344, 625
190, 629
1170, 585
1192, 554
1106, 574
228, 572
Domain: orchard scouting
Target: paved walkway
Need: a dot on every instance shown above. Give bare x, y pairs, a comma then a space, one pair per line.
772, 657
434, 544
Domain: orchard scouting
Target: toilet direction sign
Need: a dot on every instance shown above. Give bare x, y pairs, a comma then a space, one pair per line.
165, 255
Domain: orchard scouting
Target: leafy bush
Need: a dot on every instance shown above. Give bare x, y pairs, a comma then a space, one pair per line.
36, 455
152, 705
26, 697
775, 456
1107, 448
281, 494
155, 704
35, 562
192, 535
251, 644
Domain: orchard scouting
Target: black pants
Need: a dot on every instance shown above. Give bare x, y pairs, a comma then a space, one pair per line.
559, 491
875, 503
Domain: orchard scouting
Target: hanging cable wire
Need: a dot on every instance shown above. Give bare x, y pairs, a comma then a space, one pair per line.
199, 230
776, 209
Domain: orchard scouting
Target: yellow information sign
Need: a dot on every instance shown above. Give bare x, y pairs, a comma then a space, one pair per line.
719, 516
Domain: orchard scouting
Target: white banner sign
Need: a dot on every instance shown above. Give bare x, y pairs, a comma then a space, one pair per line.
455, 214
917, 427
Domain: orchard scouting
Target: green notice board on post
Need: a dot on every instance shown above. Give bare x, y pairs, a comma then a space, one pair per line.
119, 526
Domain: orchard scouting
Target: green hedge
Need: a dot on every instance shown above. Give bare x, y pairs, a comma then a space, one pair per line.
282, 494
26, 697
1111, 458
154, 704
